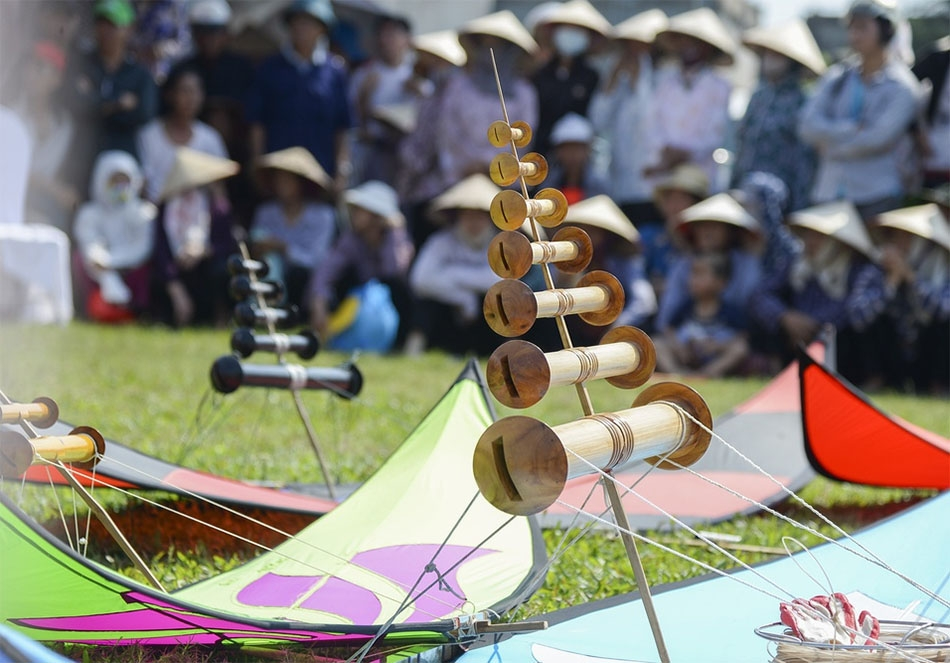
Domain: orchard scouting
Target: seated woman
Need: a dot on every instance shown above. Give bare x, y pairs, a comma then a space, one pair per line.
363, 281
717, 225
293, 232
451, 274
834, 281
616, 249
707, 337
114, 235
177, 126
192, 243
915, 256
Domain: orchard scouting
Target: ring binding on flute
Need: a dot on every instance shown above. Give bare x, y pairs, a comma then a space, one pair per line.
240, 265
243, 286
82, 447
509, 209
511, 254
228, 374
511, 307
520, 373
502, 134
42, 412
521, 464
505, 169
304, 344
248, 315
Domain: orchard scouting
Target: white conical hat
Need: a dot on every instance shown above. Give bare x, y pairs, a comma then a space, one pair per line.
299, 161
792, 39
442, 44
602, 212
401, 117
642, 27
580, 13
193, 169
504, 25
839, 219
922, 220
686, 177
704, 24
723, 208
474, 192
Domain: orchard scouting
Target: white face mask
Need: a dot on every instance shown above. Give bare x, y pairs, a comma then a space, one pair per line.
119, 193
570, 41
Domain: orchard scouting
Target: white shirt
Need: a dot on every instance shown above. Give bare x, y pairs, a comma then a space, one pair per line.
157, 151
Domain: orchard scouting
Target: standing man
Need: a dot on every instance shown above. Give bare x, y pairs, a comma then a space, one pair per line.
299, 97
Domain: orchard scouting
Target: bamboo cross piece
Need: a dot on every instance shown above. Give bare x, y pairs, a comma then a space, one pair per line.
511, 254
42, 412
82, 447
509, 209
505, 169
520, 373
511, 307
521, 464
502, 134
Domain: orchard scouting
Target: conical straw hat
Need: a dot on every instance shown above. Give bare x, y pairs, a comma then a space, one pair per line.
401, 117
442, 44
299, 161
723, 208
705, 25
922, 220
601, 212
580, 13
474, 192
686, 177
193, 169
793, 40
643, 27
504, 25
840, 220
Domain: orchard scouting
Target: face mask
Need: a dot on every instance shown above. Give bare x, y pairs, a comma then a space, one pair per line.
119, 193
570, 41
774, 66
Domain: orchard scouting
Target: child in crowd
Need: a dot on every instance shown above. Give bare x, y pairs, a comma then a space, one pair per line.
451, 274
834, 281
192, 243
616, 249
571, 169
717, 225
114, 235
293, 232
363, 280
706, 336
915, 256
177, 125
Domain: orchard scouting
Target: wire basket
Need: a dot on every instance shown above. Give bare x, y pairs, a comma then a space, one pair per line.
899, 641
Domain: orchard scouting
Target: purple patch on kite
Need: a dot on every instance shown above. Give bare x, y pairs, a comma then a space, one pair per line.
352, 602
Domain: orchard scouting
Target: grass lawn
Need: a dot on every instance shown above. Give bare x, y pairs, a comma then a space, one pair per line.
149, 387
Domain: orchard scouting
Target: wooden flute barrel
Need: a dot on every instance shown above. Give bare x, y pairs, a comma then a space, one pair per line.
511, 254
228, 374
520, 374
521, 464
304, 344
82, 447
511, 307
42, 412
502, 134
243, 286
509, 209
240, 265
248, 315
505, 169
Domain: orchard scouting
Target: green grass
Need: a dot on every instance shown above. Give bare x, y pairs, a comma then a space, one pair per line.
149, 387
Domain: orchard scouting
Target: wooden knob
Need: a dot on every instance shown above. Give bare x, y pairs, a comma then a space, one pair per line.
16, 454
509, 209
520, 373
505, 169
42, 412
511, 307
521, 464
501, 134
511, 254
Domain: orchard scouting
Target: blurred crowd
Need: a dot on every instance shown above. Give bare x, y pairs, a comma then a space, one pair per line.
143, 147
